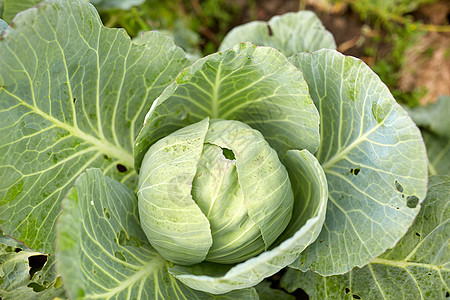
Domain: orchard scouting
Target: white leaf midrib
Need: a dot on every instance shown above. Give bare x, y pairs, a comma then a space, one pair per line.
102, 144
404, 264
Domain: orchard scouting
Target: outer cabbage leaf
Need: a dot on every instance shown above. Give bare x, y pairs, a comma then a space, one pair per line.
8, 244
435, 126
3, 26
255, 85
72, 95
433, 117
418, 267
290, 33
374, 159
12, 7
21, 277
438, 152
309, 212
102, 251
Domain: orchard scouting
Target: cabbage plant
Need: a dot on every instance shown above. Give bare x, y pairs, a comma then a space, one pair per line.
150, 176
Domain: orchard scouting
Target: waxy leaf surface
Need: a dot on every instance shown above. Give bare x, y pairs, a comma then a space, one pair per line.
418, 267
374, 159
73, 94
102, 251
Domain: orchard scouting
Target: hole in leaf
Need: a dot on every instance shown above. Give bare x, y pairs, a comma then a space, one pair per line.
106, 157
269, 30
356, 296
119, 255
429, 274
398, 186
121, 238
355, 171
58, 282
447, 295
106, 213
17, 250
36, 287
379, 112
418, 234
347, 290
36, 263
412, 201
229, 154
321, 241
74, 100
121, 168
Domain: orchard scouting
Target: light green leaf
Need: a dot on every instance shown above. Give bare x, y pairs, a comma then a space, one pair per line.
254, 85
265, 292
418, 267
219, 195
217, 279
170, 218
374, 159
265, 184
102, 251
72, 95
290, 33
25, 274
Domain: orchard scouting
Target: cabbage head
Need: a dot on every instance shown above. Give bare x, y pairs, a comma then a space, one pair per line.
213, 191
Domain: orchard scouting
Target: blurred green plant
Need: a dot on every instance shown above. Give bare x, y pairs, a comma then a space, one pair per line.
388, 66
196, 26
386, 11
392, 26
